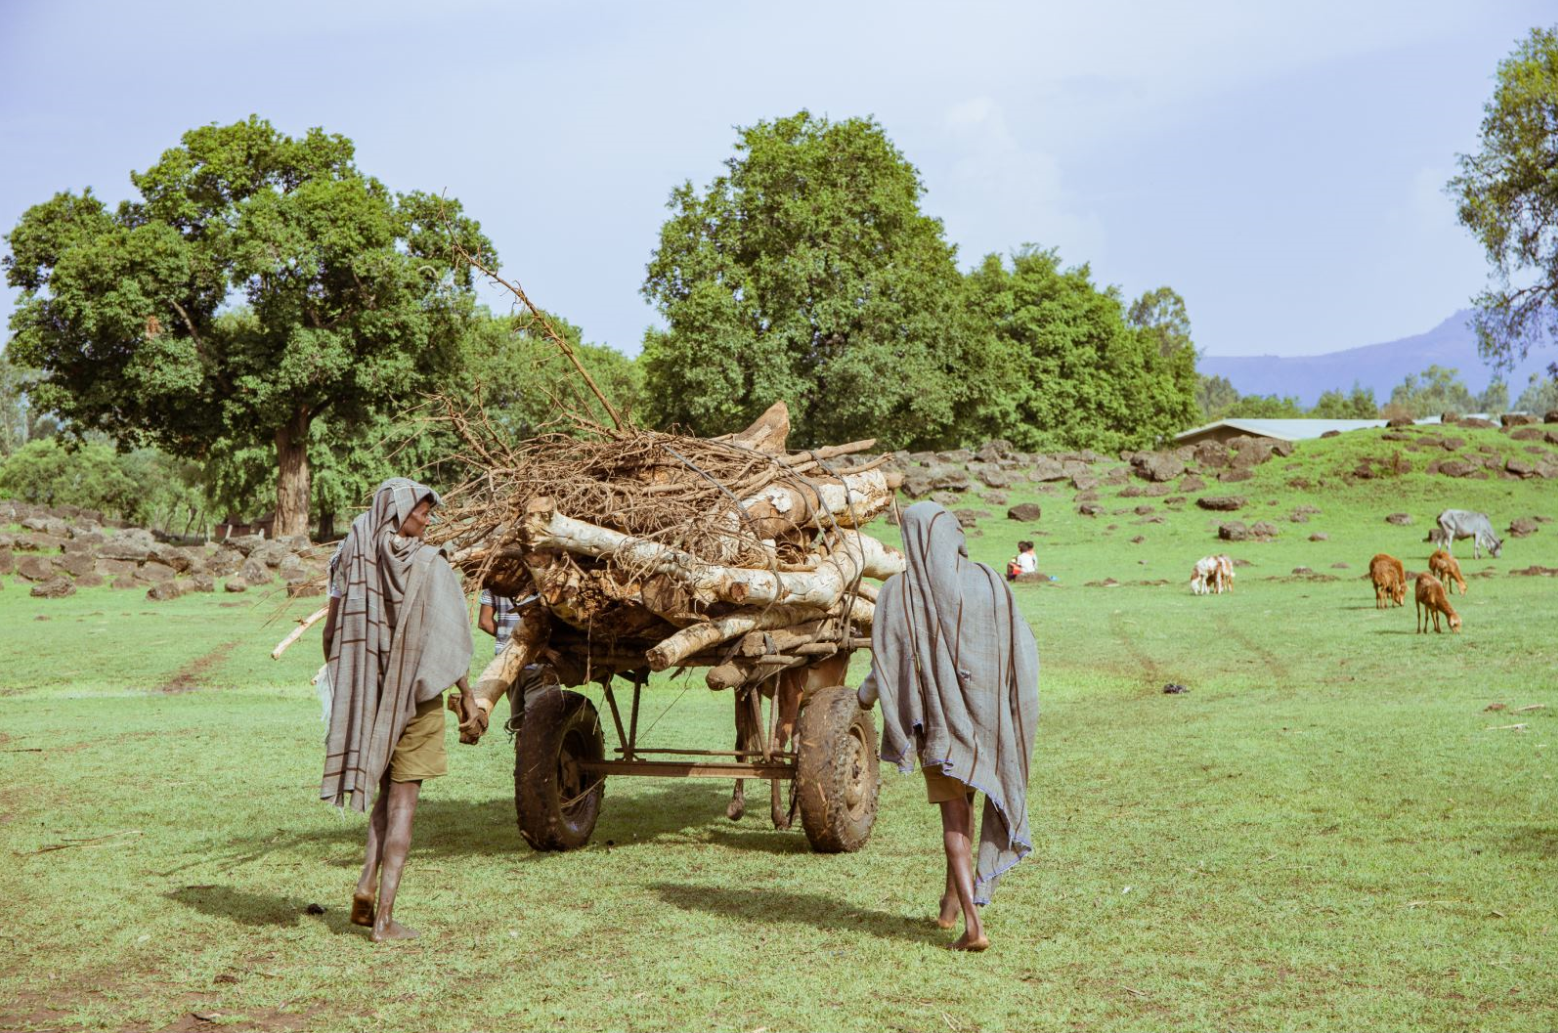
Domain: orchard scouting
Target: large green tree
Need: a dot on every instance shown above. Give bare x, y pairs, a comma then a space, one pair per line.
1507, 194
1359, 404
259, 282
1070, 370
1436, 390
807, 272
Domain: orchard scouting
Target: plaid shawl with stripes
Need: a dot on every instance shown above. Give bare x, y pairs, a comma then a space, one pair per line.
402, 636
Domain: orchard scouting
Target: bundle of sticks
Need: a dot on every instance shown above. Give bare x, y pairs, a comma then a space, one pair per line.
647, 550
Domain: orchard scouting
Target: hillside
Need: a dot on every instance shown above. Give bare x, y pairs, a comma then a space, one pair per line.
1379, 366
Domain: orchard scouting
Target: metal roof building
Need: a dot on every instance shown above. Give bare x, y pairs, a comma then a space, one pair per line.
1281, 430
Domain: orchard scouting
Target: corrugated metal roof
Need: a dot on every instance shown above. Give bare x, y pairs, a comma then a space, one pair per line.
1285, 430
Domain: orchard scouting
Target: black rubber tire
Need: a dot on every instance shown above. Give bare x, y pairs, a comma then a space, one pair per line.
836, 771
558, 729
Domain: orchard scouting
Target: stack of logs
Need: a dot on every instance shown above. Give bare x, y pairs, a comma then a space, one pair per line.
781, 581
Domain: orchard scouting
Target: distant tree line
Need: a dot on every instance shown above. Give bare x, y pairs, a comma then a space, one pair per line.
1434, 391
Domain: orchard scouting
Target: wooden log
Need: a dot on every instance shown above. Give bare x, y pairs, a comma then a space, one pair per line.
698, 637
782, 640
814, 455
851, 556
768, 433
523, 647
297, 632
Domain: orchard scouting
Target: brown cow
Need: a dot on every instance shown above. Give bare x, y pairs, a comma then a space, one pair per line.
1444, 567
1390, 580
793, 685
1432, 601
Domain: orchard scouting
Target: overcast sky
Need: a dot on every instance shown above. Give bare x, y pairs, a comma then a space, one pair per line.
1281, 166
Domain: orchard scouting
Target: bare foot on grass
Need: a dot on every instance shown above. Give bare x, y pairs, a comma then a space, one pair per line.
362, 909
950, 909
975, 945
393, 930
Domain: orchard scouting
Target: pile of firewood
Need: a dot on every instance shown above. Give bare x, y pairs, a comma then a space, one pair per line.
649, 550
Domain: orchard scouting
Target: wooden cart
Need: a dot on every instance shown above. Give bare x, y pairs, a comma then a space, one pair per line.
562, 760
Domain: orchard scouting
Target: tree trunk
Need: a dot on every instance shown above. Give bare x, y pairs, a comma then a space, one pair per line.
292, 479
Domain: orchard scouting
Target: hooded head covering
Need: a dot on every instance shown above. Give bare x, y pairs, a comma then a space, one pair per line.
402, 636
957, 671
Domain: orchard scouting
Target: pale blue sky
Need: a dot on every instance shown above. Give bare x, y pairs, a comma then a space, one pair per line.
1281, 165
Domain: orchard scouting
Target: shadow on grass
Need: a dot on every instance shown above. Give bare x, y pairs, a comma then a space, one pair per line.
488, 828
828, 914
1540, 840
255, 909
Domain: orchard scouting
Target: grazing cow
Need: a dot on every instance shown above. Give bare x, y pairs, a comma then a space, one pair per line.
1224, 573
1212, 574
1463, 523
1432, 600
793, 684
1390, 581
1443, 566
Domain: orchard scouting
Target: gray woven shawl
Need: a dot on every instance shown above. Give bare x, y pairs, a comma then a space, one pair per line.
957, 671
402, 636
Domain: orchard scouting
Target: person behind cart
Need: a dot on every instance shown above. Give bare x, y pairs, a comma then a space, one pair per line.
956, 669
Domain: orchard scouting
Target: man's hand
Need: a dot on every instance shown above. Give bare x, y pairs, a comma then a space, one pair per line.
473, 719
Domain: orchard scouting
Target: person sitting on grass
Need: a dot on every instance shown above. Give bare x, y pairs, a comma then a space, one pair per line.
1025, 562
397, 635
957, 671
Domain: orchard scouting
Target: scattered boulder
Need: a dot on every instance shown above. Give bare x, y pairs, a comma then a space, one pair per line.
271, 553
235, 584
50, 526
1190, 482
995, 498
1118, 475
1341, 566
1301, 571
1522, 527
245, 543
202, 583
224, 562
1027, 512
1319, 536
994, 450
1157, 466
134, 545
945, 498
165, 590
124, 581
1521, 467
39, 543
1090, 509
91, 579
1221, 503
1399, 421
1047, 469
114, 568
254, 572
1475, 422
1331, 434
54, 588
1528, 434
1263, 529
1138, 540
966, 518
35, 568
1084, 481
1551, 417
1516, 419
152, 571
1238, 473
1399, 519
1452, 444
7, 561
1457, 468
1233, 531
1144, 510
76, 564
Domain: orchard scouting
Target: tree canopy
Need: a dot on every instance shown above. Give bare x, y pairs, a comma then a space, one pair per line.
1438, 390
807, 272
1068, 369
1507, 194
259, 282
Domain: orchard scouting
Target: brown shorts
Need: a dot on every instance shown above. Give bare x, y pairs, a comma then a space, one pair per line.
940, 788
420, 754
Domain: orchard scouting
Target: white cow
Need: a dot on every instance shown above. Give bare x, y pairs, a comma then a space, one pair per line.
1212, 574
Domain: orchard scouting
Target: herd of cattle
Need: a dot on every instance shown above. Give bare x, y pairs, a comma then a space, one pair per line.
1215, 573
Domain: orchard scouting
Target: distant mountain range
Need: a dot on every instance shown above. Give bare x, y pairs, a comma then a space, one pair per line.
1452, 343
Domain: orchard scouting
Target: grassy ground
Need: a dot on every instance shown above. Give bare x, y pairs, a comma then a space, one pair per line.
1330, 830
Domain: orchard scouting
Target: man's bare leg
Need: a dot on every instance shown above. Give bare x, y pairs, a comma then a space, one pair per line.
950, 908
402, 810
368, 882
957, 820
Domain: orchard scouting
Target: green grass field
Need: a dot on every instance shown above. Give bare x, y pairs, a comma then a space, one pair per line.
1331, 830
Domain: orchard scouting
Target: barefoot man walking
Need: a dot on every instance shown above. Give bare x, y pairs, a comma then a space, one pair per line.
957, 671
396, 636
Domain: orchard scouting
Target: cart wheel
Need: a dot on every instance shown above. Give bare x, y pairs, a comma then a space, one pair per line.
836, 771
557, 804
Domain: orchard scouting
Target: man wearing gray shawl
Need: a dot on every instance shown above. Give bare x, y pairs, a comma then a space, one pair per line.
957, 671
397, 635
